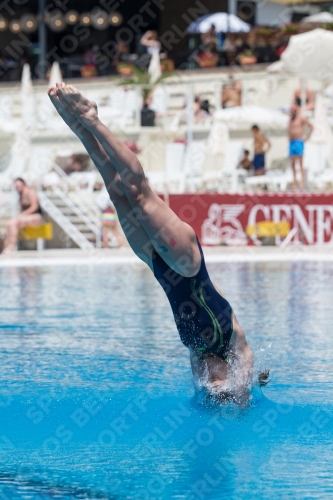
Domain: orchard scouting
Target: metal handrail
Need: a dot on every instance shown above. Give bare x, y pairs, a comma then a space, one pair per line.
73, 206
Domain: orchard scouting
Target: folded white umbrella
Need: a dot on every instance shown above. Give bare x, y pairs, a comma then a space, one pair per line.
222, 21
26, 83
55, 74
250, 115
27, 97
310, 54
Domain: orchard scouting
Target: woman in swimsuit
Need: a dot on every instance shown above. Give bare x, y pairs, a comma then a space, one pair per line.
221, 360
31, 214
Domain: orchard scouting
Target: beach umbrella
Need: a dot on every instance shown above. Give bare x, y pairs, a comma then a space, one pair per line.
321, 17
223, 22
249, 115
55, 74
310, 54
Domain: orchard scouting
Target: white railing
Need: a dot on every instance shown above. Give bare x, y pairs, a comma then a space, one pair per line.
76, 209
63, 222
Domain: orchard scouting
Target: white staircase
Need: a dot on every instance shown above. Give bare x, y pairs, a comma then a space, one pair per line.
83, 227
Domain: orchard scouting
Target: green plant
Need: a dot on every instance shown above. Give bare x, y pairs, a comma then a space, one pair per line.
143, 79
289, 28
264, 31
246, 53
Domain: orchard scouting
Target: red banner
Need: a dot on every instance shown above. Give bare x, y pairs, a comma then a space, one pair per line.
222, 218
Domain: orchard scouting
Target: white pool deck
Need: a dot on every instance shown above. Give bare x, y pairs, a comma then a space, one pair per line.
75, 257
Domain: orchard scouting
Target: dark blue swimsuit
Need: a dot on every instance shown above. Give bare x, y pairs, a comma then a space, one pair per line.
203, 317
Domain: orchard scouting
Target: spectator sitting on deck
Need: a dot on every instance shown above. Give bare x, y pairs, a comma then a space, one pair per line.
201, 107
31, 214
209, 39
245, 163
74, 165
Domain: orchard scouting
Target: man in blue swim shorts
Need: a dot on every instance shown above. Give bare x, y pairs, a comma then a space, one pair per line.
261, 146
296, 141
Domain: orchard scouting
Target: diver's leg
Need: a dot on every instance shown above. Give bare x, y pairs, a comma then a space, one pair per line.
172, 238
134, 231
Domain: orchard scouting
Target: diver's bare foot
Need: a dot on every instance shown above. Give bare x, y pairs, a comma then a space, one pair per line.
63, 111
83, 109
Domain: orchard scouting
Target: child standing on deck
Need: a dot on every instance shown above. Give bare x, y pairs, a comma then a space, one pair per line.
261, 146
110, 225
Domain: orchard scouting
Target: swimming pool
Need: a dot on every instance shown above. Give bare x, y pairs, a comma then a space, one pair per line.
96, 398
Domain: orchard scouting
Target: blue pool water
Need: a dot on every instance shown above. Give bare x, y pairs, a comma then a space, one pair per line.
96, 398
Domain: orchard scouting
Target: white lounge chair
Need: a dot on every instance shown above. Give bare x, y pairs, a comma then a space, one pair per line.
6, 109
230, 174
194, 162
160, 100
7, 122
115, 107
47, 118
83, 181
129, 109
316, 164
173, 175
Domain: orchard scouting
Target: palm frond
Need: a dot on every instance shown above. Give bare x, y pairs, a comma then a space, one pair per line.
142, 79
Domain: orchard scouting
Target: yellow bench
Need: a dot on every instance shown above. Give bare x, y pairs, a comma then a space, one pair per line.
268, 229
39, 233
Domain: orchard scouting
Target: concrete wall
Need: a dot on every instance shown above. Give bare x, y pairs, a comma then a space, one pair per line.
276, 14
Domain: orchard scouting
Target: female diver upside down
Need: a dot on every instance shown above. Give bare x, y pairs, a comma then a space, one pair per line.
220, 357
